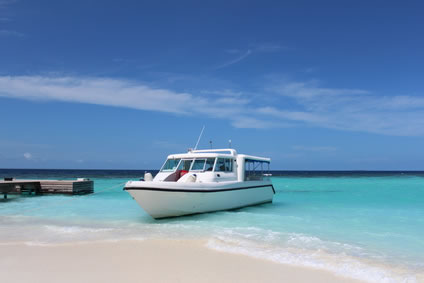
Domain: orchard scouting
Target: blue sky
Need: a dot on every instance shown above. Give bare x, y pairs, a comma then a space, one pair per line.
315, 85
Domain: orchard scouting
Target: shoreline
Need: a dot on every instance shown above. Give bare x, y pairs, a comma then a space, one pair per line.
145, 261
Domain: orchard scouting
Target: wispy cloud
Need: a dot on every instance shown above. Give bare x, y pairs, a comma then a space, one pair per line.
223, 92
311, 89
310, 104
27, 156
119, 93
236, 60
302, 116
102, 91
349, 109
6, 17
243, 54
11, 33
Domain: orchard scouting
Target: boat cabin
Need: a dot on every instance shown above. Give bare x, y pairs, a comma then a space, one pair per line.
214, 165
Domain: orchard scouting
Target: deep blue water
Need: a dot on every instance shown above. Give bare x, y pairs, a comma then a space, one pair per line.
362, 224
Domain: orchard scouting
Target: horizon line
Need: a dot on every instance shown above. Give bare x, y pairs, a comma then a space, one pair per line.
288, 170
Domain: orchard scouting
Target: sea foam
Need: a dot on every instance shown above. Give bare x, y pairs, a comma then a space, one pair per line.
340, 264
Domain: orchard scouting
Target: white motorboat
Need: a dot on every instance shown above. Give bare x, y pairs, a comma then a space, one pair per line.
204, 181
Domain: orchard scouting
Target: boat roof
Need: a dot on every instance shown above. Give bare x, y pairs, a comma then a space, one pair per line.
226, 152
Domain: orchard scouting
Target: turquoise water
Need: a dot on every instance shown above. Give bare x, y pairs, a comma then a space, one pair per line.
364, 227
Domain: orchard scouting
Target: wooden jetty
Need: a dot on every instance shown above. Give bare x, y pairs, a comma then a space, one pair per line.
73, 187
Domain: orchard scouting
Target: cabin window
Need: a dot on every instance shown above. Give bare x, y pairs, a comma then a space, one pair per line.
224, 165
170, 164
209, 164
198, 165
229, 165
255, 169
185, 164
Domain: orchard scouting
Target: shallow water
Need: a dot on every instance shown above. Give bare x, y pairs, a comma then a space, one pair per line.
367, 226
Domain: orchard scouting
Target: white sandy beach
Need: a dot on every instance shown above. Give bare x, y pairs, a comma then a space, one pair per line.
144, 261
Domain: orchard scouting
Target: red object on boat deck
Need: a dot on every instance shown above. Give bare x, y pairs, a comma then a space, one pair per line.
183, 172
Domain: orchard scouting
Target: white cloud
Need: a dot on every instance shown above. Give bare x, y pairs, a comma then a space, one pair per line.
27, 155
250, 122
119, 93
231, 100
301, 116
223, 92
401, 102
349, 109
309, 104
103, 91
311, 89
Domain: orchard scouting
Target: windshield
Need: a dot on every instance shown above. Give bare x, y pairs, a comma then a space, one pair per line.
198, 165
209, 164
203, 164
170, 164
185, 164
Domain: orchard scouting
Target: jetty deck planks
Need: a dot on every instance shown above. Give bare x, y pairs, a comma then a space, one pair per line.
73, 187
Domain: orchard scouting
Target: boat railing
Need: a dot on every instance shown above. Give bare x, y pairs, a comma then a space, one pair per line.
233, 152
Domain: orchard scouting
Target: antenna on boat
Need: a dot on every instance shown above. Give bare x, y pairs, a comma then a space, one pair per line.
229, 143
210, 143
200, 136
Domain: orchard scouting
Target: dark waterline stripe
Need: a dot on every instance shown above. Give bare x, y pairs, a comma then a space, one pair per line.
196, 191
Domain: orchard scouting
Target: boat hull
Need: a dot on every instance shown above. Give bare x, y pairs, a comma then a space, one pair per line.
161, 202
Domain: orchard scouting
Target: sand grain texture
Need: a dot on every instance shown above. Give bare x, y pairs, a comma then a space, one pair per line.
144, 261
